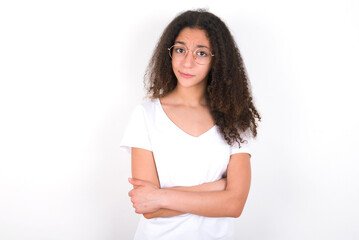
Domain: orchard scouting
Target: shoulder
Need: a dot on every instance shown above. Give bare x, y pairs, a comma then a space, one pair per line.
145, 110
147, 107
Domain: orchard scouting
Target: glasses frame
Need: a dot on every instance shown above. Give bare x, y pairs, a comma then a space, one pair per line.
187, 50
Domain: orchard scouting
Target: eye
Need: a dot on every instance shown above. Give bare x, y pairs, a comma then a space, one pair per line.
202, 53
179, 50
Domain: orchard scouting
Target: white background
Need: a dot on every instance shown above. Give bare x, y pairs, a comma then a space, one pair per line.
72, 71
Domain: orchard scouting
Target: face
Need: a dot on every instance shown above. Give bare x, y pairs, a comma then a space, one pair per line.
188, 72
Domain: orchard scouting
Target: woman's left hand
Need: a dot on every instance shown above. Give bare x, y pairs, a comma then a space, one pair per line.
145, 196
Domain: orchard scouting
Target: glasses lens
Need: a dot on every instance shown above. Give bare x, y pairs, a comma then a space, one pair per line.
202, 56
177, 52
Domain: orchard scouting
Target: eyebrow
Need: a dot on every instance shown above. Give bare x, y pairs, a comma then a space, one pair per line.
199, 46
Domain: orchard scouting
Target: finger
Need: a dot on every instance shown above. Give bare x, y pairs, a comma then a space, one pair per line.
138, 210
136, 207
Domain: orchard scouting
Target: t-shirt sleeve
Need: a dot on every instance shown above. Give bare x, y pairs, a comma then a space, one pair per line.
245, 147
136, 133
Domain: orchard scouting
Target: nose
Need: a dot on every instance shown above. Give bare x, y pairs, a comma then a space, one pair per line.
189, 60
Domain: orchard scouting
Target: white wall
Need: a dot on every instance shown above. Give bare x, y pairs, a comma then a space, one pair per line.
71, 72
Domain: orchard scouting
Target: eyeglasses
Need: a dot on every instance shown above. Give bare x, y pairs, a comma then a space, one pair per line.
201, 56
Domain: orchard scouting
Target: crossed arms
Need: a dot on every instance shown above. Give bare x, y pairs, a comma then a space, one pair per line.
222, 198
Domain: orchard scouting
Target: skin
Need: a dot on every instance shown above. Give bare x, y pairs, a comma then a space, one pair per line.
192, 39
223, 198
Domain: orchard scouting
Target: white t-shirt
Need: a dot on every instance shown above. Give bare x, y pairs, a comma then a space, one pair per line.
181, 160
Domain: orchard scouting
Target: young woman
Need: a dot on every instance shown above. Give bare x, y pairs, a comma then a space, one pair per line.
189, 143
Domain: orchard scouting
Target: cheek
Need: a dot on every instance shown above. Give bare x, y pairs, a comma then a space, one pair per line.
174, 67
205, 71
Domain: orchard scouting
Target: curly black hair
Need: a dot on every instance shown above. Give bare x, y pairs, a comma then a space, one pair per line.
228, 93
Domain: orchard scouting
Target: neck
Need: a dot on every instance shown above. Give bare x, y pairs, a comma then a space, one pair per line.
191, 97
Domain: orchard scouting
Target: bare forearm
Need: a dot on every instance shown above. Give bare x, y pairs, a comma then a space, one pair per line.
162, 212
206, 187
209, 204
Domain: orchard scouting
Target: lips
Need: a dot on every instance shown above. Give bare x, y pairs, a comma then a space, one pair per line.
186, 75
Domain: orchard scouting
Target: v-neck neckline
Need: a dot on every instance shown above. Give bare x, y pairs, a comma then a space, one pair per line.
180, 129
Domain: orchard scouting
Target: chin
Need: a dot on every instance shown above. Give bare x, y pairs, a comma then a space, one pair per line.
188, 83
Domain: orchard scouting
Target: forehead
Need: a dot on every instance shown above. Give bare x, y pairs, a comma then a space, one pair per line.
193, 37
